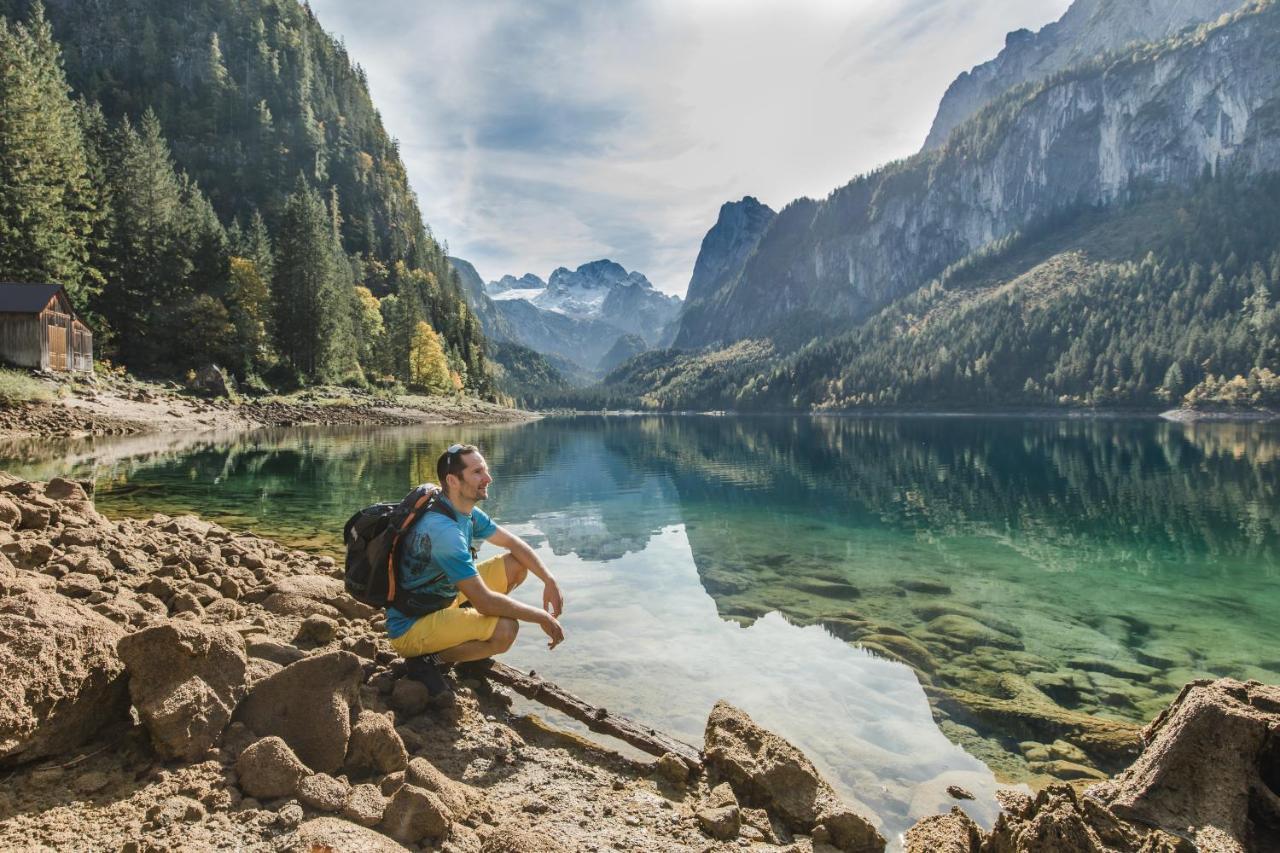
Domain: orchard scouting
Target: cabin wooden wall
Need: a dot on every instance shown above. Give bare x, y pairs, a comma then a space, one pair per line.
22, 340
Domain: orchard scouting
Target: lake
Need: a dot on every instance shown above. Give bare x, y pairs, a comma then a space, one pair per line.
852, 583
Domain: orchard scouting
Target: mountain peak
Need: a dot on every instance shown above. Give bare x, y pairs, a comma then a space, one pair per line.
1087, 29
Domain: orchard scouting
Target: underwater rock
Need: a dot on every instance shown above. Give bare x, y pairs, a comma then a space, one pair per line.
1021, 711
967, 633
923, 586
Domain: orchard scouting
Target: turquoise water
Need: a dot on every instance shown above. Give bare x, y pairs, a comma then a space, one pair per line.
1101, 563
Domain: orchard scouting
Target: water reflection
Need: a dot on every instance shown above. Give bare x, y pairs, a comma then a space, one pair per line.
1092, 565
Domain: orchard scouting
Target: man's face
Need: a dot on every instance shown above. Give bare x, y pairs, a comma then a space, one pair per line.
475, 479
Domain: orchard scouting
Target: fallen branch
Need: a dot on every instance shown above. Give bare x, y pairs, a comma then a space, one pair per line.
599, 720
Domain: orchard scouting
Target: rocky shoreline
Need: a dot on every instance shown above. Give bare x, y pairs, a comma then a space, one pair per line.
124, 405
171, 684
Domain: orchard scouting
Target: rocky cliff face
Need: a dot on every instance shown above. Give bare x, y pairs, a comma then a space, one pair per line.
494, 324
1163, 114
723, 254
1087, 29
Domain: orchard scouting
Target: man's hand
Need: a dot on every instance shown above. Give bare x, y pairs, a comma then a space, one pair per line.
553, 630
552, 600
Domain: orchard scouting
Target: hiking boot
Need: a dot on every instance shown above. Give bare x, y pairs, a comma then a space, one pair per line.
428, 671
473, 668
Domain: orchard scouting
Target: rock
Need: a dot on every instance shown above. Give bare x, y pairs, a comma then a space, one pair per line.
175, 810
365, 805
410, 697
258, 669
1211, 761
767, 771
672, 768
10, 515
67, 491
274, 651
268, 769
309, 704
959, 793
455, 795
185, 681
317, 630
290, 815
1126, 670
513, 838
415, 815
720, 817
375, 747
322, 792
27, 553
214, 381
78, 585
966, 633
60, 676
332, 835
1055, 823
954, 832
185, 602
927, 587
285, 604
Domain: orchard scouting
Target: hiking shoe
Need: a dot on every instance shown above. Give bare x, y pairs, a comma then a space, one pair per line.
473, 668
428, 671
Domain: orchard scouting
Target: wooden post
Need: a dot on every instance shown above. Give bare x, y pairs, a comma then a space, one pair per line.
596, 719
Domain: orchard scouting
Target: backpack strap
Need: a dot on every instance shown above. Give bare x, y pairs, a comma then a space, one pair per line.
425, 503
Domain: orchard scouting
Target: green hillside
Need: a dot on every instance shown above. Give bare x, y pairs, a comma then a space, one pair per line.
1167, 300
211, 131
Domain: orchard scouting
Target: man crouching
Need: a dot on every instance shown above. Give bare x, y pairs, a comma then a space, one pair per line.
477, 618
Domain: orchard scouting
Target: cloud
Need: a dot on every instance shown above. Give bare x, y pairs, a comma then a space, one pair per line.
549, 134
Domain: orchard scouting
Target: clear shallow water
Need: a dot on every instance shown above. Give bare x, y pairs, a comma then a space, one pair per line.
701, 556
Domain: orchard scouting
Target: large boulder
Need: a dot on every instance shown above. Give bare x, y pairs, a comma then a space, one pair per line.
309, 704
768, 772
185, 680
60, 676
1211, 765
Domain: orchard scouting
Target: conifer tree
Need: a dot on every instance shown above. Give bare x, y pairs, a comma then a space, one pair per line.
149, 267
303, 288
48, 204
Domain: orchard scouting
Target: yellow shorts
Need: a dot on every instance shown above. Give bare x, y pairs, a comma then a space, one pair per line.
454, 625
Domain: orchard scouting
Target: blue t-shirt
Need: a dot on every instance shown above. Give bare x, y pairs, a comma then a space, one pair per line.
450, 546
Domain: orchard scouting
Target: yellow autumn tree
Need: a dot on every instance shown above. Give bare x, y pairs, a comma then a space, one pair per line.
428, 366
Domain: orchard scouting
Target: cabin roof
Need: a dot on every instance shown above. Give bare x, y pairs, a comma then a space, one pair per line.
22, 298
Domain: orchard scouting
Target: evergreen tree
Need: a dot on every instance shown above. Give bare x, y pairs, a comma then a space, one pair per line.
303, 289
49, 207
149, 267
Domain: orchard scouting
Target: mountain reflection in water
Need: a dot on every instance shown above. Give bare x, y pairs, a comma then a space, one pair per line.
1090, 567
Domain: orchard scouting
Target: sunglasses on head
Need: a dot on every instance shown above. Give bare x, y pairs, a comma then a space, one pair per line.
455, 449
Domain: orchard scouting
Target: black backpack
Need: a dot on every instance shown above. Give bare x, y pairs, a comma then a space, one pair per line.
372, 537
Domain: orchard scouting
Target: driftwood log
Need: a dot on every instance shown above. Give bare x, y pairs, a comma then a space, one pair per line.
599, 720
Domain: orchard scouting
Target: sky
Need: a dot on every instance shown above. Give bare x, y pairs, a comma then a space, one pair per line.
548, 134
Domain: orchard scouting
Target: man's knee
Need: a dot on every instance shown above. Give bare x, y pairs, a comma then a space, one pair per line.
516, 573
505, 634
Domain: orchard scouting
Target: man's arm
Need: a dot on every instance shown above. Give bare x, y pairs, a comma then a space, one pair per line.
488, 602
552, 598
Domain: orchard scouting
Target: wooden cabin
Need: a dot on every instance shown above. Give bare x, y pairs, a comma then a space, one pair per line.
40, 329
